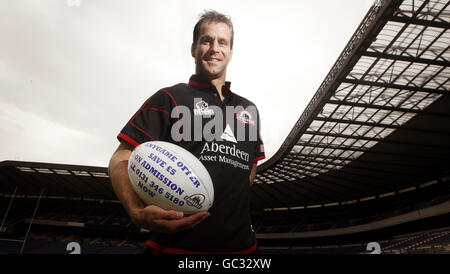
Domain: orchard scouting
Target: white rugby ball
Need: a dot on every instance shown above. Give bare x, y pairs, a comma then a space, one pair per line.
170, 177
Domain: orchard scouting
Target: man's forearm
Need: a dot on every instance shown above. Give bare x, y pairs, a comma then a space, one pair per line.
252, 173
149, 217
118, 173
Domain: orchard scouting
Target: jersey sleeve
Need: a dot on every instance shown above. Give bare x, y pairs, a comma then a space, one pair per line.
259, 153
151, 122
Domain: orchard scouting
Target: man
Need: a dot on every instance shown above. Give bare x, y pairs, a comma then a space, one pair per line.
188, 115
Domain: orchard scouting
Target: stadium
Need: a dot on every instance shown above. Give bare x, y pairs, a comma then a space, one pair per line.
365, 169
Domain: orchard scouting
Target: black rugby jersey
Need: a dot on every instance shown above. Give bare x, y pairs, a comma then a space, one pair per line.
225, 136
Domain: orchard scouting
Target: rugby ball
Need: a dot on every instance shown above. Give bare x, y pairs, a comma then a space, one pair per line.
170, 177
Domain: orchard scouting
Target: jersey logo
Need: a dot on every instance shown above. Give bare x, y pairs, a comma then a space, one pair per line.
201, 108
228, 134
245, 117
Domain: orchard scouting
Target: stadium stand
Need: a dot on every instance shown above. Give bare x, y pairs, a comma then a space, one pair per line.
434, 241
99, 227
367, 161
379, 123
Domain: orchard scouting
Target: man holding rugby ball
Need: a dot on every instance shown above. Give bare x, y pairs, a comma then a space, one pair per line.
230, 157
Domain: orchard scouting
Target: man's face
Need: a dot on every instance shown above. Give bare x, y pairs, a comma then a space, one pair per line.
212, 52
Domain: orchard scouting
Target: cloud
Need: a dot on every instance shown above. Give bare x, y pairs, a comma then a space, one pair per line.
27, 136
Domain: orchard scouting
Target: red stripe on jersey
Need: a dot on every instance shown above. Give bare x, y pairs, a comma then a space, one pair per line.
137, 113
259, 158
143, 131
145, 108
201, 85
178, 113
157, 109
128, 139
180, 251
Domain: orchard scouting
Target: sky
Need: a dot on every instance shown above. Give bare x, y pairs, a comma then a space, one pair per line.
73, 72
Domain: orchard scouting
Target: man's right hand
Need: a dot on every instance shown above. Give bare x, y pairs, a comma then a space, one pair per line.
157, 219
150, 217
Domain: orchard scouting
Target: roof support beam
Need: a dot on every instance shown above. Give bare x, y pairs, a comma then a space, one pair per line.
406, 58
386, 162
389, 108
369, 150
395, 86
421, 22
337, 135
381, 125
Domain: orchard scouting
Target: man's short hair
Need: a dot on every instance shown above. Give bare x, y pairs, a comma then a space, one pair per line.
216, 17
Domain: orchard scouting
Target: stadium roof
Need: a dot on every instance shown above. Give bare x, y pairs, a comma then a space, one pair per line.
380, 121
379, 125
28, 179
